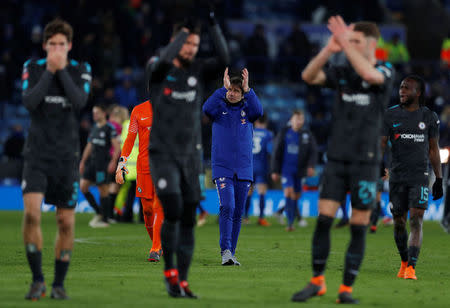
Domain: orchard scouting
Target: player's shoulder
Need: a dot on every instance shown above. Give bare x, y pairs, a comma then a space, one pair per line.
393, 109
83, 67
35, 63
430, 114
110, 126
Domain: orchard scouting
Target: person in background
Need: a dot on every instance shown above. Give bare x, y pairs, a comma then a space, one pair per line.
294, 157
262, 148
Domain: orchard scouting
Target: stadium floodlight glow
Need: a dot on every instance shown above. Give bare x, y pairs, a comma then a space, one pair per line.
444, 153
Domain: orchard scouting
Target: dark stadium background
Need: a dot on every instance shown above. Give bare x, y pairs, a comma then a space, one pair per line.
274, 39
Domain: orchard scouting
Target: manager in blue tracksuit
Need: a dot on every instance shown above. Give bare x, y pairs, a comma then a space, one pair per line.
232, 110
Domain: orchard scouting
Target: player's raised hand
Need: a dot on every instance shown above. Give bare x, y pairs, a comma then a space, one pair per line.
438, 192
52, 61
245, 80
341, 32
333, 45
226, 79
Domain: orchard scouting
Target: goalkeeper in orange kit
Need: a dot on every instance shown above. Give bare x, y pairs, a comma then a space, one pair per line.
141, 123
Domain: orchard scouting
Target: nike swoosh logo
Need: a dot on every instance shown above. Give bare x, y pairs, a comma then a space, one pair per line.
224, 112
142, 119
397, 125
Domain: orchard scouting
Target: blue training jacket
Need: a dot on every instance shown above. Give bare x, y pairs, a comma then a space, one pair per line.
232, 134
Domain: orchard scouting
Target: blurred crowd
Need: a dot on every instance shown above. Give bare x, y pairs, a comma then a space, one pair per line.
117, 37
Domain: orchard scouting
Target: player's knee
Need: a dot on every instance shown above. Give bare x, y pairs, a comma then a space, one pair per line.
415, 222
65, 224
399, 223
32, 219
173, 207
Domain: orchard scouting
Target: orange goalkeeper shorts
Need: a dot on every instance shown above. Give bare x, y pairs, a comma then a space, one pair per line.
144, 186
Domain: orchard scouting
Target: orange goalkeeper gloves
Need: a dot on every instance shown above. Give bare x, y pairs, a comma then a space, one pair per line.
121, 170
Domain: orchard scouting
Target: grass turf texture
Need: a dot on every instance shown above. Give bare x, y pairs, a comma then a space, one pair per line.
110, 269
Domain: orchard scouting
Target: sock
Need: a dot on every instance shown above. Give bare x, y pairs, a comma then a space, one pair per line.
344, 210
280, 210
290, 211
91, 200
34, 258
413, 255
147, 205
298, 215
375, 214
158, 219
185, 250
355, 254
321, 244
247, 206
262, 205
170, 230
61, 267
112, 202
104, 208
401, 239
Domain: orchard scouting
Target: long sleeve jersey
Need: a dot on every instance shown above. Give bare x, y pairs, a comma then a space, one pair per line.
232, 134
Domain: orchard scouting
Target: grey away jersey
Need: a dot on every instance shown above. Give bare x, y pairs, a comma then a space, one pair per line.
54, 101
357, 113
409, 134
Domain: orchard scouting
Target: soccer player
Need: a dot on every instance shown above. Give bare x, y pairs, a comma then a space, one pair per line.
232, 109
141, 123
96, 162
176, 82
294, 156
413, 131
54, 90
362, 88
262, 148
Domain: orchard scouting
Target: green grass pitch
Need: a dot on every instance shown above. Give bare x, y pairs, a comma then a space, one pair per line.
109, 268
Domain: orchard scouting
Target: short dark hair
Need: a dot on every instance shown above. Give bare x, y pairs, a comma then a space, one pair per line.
58, 26
420, 85
102, 106
194, 27
237, 81
368, 28
298, 112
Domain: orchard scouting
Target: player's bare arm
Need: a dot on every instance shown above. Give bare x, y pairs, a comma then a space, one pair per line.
435, 161
115, 156
313, 73
86, 153
363, 66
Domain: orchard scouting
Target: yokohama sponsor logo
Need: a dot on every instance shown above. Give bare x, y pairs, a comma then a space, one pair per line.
358, 99
415, 137
189, 96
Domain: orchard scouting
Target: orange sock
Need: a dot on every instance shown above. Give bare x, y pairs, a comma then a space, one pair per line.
158, 218
147, 206
343, 288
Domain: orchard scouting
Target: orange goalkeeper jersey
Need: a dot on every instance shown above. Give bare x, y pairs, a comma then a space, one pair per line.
140, 122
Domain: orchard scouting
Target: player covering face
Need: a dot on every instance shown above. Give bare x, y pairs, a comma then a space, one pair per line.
54, 90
